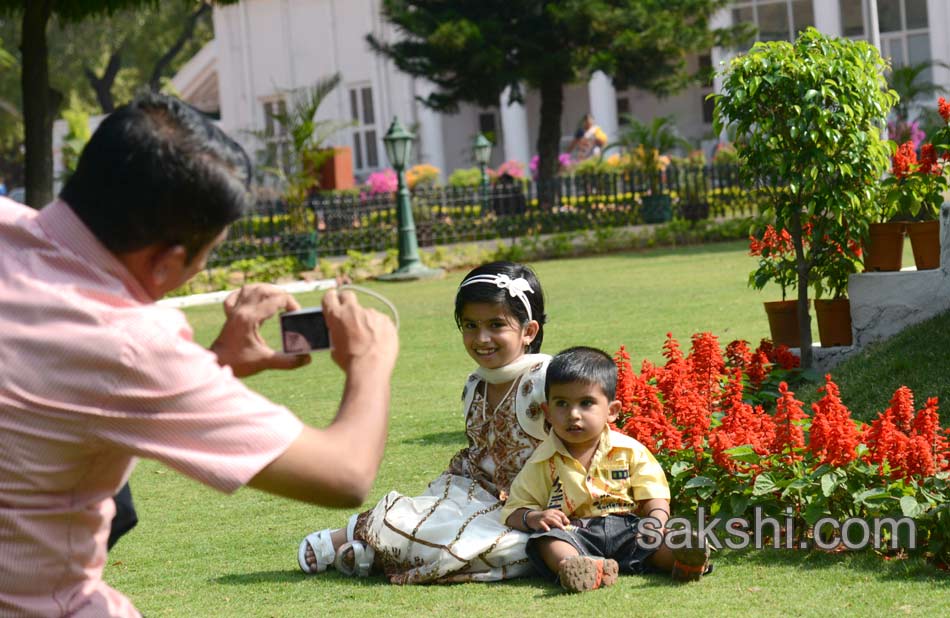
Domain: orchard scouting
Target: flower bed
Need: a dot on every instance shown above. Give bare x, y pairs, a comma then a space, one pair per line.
732, 437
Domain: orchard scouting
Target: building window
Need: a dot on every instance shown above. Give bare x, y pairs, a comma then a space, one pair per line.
775, 20
903, 26
623, 111
276, 139
363, 114
488, 126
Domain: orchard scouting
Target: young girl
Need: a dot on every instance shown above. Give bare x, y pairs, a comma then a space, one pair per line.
453, 532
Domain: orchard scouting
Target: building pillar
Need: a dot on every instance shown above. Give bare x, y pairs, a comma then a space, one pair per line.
514, 130
828, 17
431, 146
603, 104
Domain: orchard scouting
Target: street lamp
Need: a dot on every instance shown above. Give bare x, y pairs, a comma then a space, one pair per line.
482, 152
398, 142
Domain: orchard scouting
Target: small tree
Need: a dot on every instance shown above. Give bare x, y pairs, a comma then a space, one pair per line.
808, 118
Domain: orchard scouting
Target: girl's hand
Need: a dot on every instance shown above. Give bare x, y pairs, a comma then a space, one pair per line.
547, 519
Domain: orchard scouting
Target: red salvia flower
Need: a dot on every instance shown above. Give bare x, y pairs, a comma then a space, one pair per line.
944, 108
920, 459
902, 409
625, 378
789, 434
833, 436
741, 424
707, 365
928, 160
905, 160
738, 354
783, 357
758, 369
886, 443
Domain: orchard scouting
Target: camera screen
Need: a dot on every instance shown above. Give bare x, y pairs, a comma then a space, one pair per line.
304, 330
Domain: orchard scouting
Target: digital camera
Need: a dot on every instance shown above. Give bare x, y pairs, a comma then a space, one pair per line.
304, 330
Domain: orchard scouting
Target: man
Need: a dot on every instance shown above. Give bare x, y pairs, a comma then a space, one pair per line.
94, 374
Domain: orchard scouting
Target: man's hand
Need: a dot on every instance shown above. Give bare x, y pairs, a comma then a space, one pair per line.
358, 333
240, 345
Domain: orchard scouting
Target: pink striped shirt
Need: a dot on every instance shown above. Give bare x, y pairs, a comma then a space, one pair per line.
92, 376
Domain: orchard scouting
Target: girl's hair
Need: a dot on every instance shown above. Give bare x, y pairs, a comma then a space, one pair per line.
486, 292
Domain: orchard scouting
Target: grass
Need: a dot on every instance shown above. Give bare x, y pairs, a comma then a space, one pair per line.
199, 553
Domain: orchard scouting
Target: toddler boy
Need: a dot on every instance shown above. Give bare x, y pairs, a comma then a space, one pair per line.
585, 492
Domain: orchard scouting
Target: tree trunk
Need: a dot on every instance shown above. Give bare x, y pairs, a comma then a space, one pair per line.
37, 103
804, 317
155, 82
549, 139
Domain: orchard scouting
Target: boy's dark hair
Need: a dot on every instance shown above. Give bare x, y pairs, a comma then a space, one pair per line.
489, 293
159, 171
583, 364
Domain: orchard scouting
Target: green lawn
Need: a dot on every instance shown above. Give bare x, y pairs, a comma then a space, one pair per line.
198, 553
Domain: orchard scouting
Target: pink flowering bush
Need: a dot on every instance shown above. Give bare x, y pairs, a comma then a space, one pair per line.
563, 161
512, 168
382, 182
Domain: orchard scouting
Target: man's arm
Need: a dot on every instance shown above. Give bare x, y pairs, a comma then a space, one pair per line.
336, 466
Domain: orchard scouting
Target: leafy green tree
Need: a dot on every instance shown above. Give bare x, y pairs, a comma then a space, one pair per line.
473, 49
40, 101
808, 118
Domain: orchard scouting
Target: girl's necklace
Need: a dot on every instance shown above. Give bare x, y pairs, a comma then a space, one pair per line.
500, 401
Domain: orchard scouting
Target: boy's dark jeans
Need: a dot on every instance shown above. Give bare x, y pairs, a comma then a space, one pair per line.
611, 536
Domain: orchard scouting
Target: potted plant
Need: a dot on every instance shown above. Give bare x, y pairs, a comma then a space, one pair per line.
923, 227
836, 259
808, 118
646, 146
776, 265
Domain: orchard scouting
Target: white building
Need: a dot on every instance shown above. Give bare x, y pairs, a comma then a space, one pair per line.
263, 48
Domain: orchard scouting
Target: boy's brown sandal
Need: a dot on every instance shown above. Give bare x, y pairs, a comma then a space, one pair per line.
690, 563
583, 573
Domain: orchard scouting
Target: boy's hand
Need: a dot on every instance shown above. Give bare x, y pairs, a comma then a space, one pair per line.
547, 519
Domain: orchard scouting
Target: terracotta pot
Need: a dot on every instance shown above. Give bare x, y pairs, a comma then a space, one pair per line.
783, 322
885, 247
834, 322
925, 241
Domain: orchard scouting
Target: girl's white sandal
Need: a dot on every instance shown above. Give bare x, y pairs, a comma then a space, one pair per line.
322, 549
362, 559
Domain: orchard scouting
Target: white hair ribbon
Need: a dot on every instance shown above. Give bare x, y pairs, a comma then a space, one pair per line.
516, 287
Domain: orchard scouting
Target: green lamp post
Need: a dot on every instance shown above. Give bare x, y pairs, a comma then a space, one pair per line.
398, 142
482, 151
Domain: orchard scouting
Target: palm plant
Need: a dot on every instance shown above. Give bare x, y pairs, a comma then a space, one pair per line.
645, 143
908, 82
307, 137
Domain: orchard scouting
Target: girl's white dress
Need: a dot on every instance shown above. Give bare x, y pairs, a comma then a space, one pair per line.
453, 532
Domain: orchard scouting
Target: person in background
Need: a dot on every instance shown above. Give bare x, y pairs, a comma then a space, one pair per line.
589, 140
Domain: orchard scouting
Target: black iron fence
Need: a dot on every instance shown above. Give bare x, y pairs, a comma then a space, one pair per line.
334, 224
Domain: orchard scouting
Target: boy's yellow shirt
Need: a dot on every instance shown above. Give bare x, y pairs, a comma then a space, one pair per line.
622, 472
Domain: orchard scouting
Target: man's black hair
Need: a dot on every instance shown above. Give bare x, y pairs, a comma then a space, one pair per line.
159, 171
490, 293
583, 364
